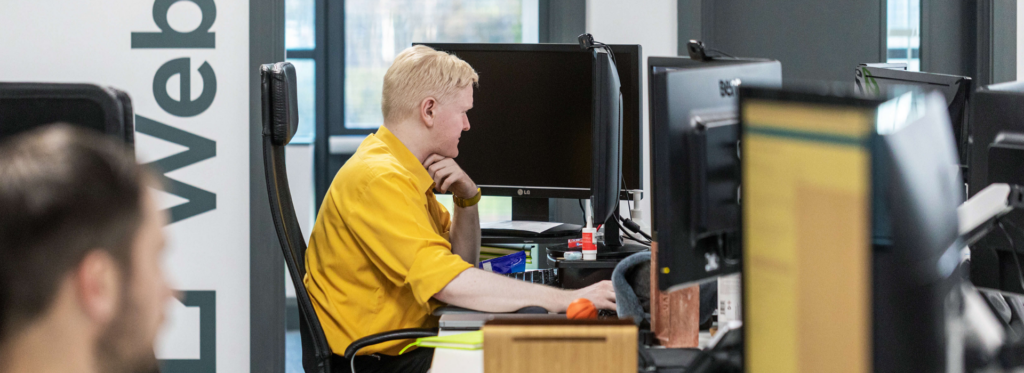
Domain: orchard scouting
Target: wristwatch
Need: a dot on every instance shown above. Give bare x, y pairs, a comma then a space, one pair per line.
469, 202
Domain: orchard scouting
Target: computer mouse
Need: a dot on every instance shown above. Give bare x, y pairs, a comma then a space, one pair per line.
532, 309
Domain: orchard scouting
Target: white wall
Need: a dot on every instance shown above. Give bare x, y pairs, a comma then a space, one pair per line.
299, 161
91, 42
1020, 40
650, 23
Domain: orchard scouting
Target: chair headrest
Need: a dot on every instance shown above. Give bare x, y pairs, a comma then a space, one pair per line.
280, 103
24, 106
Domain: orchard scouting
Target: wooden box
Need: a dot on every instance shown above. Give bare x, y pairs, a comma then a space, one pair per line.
553, 346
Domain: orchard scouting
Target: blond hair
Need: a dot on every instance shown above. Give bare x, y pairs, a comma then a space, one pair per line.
420, 72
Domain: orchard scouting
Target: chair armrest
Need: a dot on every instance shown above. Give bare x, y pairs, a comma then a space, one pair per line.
371, 340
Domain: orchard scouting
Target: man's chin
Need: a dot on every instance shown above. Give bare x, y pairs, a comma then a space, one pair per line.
449, 153
135, 359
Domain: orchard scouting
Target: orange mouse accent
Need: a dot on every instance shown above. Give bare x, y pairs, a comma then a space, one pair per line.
581, 309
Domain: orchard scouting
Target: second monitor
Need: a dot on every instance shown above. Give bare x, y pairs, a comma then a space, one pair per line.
695, 163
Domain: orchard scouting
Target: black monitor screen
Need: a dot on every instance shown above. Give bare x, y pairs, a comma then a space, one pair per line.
531, 127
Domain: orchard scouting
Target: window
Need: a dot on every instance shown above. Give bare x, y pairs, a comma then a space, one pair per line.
904, 33
376, 31
300, 42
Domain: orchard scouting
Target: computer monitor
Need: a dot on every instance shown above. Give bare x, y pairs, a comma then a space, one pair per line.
25, 106
995, 110
885, 79
607, 143
695, 163
847, 287
532, 126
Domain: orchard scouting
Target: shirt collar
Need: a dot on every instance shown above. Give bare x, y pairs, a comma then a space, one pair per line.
405, 157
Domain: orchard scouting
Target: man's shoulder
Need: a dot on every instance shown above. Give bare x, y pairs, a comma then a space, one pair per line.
371, 164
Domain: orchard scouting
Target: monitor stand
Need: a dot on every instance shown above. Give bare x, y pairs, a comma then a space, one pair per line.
531, 209
576, 274
613, 246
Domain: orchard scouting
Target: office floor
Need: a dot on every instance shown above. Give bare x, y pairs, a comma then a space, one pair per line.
292, 352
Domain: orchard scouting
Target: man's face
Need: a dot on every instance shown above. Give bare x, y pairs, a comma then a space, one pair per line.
127, 344
450, 120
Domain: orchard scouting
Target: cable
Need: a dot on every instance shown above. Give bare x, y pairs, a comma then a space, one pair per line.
638, 240
624, 229
1013, 250
719, 52
608, 49
646, 240
634, 227
582, 210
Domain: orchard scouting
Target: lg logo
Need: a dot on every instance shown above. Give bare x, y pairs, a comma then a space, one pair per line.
728, 88
524, 192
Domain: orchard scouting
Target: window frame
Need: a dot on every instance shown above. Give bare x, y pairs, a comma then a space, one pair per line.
329, 53
559, 21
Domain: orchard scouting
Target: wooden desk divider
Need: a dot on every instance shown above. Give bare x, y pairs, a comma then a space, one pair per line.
530, 346
675, 316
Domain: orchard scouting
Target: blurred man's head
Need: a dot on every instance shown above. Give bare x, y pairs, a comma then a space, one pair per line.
432, 90
80, 242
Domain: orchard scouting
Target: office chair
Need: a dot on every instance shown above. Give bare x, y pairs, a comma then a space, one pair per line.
25, 106
280, 121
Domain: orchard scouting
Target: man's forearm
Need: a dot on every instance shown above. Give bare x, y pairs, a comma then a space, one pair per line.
483, 291
465, 233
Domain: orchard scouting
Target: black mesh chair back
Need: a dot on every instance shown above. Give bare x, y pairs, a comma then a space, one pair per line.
25, 106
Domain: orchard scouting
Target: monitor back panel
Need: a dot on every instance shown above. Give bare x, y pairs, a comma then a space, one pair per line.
680, 94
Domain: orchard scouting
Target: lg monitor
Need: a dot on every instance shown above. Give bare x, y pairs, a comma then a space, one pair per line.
882, 79
532, 133
695, 163
996, 159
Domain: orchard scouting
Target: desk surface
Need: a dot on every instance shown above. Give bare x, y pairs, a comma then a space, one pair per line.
460, 361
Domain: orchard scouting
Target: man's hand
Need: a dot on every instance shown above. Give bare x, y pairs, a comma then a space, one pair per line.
448, 176
602, 294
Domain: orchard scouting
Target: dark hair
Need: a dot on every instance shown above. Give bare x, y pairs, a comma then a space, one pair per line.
64, 191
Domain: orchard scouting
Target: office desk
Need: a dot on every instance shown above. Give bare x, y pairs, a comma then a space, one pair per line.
459, 361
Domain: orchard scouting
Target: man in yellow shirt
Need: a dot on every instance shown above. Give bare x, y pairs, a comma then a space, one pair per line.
384, 253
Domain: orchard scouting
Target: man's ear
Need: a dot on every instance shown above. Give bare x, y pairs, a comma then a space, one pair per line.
98, 284
428, 107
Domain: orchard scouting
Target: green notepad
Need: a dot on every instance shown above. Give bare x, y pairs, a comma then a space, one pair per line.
463, 341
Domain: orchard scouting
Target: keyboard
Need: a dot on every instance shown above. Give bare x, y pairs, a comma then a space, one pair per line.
538, 276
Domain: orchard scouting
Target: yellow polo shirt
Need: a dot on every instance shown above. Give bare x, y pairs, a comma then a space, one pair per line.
380, 248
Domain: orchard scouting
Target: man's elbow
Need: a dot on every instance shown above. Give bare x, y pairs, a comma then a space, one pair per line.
444, 296
455, 290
